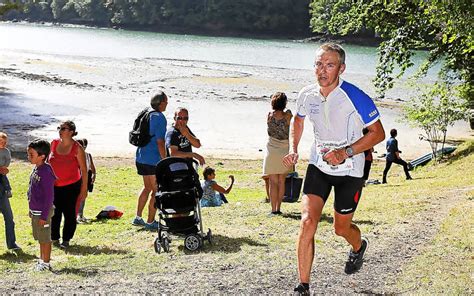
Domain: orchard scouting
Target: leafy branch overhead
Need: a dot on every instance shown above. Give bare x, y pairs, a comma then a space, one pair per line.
444, 28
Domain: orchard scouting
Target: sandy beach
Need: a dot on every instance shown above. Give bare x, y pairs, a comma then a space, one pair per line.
227, 102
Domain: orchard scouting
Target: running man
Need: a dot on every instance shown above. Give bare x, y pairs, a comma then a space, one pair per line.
338, 112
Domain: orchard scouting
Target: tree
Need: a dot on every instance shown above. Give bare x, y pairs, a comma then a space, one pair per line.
92, 11
10, 11
38, 10
434, 111
444, 28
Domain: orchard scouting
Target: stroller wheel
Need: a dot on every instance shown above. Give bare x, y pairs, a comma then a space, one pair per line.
157, 245
166, 244
192, 242
209, 237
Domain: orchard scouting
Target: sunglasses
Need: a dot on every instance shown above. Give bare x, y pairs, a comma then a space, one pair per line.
182, 118
63, 128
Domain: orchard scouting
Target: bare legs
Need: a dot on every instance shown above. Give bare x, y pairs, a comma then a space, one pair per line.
312, 206
45, 252
344, 227
148, 191
276, 190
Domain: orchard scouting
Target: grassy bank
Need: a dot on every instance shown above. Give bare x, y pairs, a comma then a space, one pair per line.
252, 250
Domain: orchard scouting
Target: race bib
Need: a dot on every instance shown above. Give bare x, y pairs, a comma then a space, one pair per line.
347, 165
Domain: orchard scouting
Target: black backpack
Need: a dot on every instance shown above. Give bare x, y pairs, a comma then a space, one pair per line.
140, 134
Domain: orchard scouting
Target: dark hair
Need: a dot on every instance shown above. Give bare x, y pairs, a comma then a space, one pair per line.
42, 147
279, 100
71, 125
365, 131
393, 132
207, 171
179, 109
157, 99
336, 48
83, 142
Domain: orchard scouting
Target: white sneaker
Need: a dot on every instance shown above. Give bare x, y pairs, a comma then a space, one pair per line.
41, 266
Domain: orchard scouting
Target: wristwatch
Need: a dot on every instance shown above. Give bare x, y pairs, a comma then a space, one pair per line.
349, 151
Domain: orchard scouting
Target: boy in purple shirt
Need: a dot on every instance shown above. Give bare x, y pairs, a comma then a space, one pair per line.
40, 199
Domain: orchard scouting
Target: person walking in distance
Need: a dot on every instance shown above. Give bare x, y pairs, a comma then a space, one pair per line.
338, 112
393, 156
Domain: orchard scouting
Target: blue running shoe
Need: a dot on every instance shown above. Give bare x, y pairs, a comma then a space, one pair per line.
138, 221
152, 226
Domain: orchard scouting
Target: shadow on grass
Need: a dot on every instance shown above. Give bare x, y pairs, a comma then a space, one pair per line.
97, 250
294, 216
324, 218
220, 243
83, 272
17, 257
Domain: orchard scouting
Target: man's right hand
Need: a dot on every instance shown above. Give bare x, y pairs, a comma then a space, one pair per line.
199, 158
181, 126
290, 159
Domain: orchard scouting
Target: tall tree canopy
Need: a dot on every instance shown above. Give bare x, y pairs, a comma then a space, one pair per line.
247, 16
444, 28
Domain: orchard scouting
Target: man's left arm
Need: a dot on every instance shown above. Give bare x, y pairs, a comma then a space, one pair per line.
375, 135
158, 124
161, 148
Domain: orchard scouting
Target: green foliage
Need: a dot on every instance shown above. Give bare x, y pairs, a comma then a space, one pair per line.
247, 241
444, 28
434, 111
286, 16
9, 8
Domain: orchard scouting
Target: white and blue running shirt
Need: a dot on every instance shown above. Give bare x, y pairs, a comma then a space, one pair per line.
337, 121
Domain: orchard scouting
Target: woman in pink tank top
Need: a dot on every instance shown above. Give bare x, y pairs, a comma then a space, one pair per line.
68, 161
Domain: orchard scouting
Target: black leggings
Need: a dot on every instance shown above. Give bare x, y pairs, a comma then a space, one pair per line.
399, 161
65, 198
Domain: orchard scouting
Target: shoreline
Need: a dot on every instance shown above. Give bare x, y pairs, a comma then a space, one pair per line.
227, 98
165, 29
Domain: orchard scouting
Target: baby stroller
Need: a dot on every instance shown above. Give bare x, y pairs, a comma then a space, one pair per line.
177, 201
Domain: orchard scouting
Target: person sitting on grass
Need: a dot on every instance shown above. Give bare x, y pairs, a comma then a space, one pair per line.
210, 197
40, 199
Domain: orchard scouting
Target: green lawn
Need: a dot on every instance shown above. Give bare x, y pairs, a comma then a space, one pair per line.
244, 233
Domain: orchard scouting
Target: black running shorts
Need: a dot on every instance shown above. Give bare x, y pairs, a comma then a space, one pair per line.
145, 169
347, 190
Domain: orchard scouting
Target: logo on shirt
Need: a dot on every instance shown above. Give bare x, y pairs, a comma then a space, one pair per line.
313, 108
35, 177
373, 113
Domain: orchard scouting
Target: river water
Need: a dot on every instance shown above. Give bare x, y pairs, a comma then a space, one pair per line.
101, 78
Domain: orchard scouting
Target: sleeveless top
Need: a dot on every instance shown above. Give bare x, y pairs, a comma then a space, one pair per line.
66, 167
278, 128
